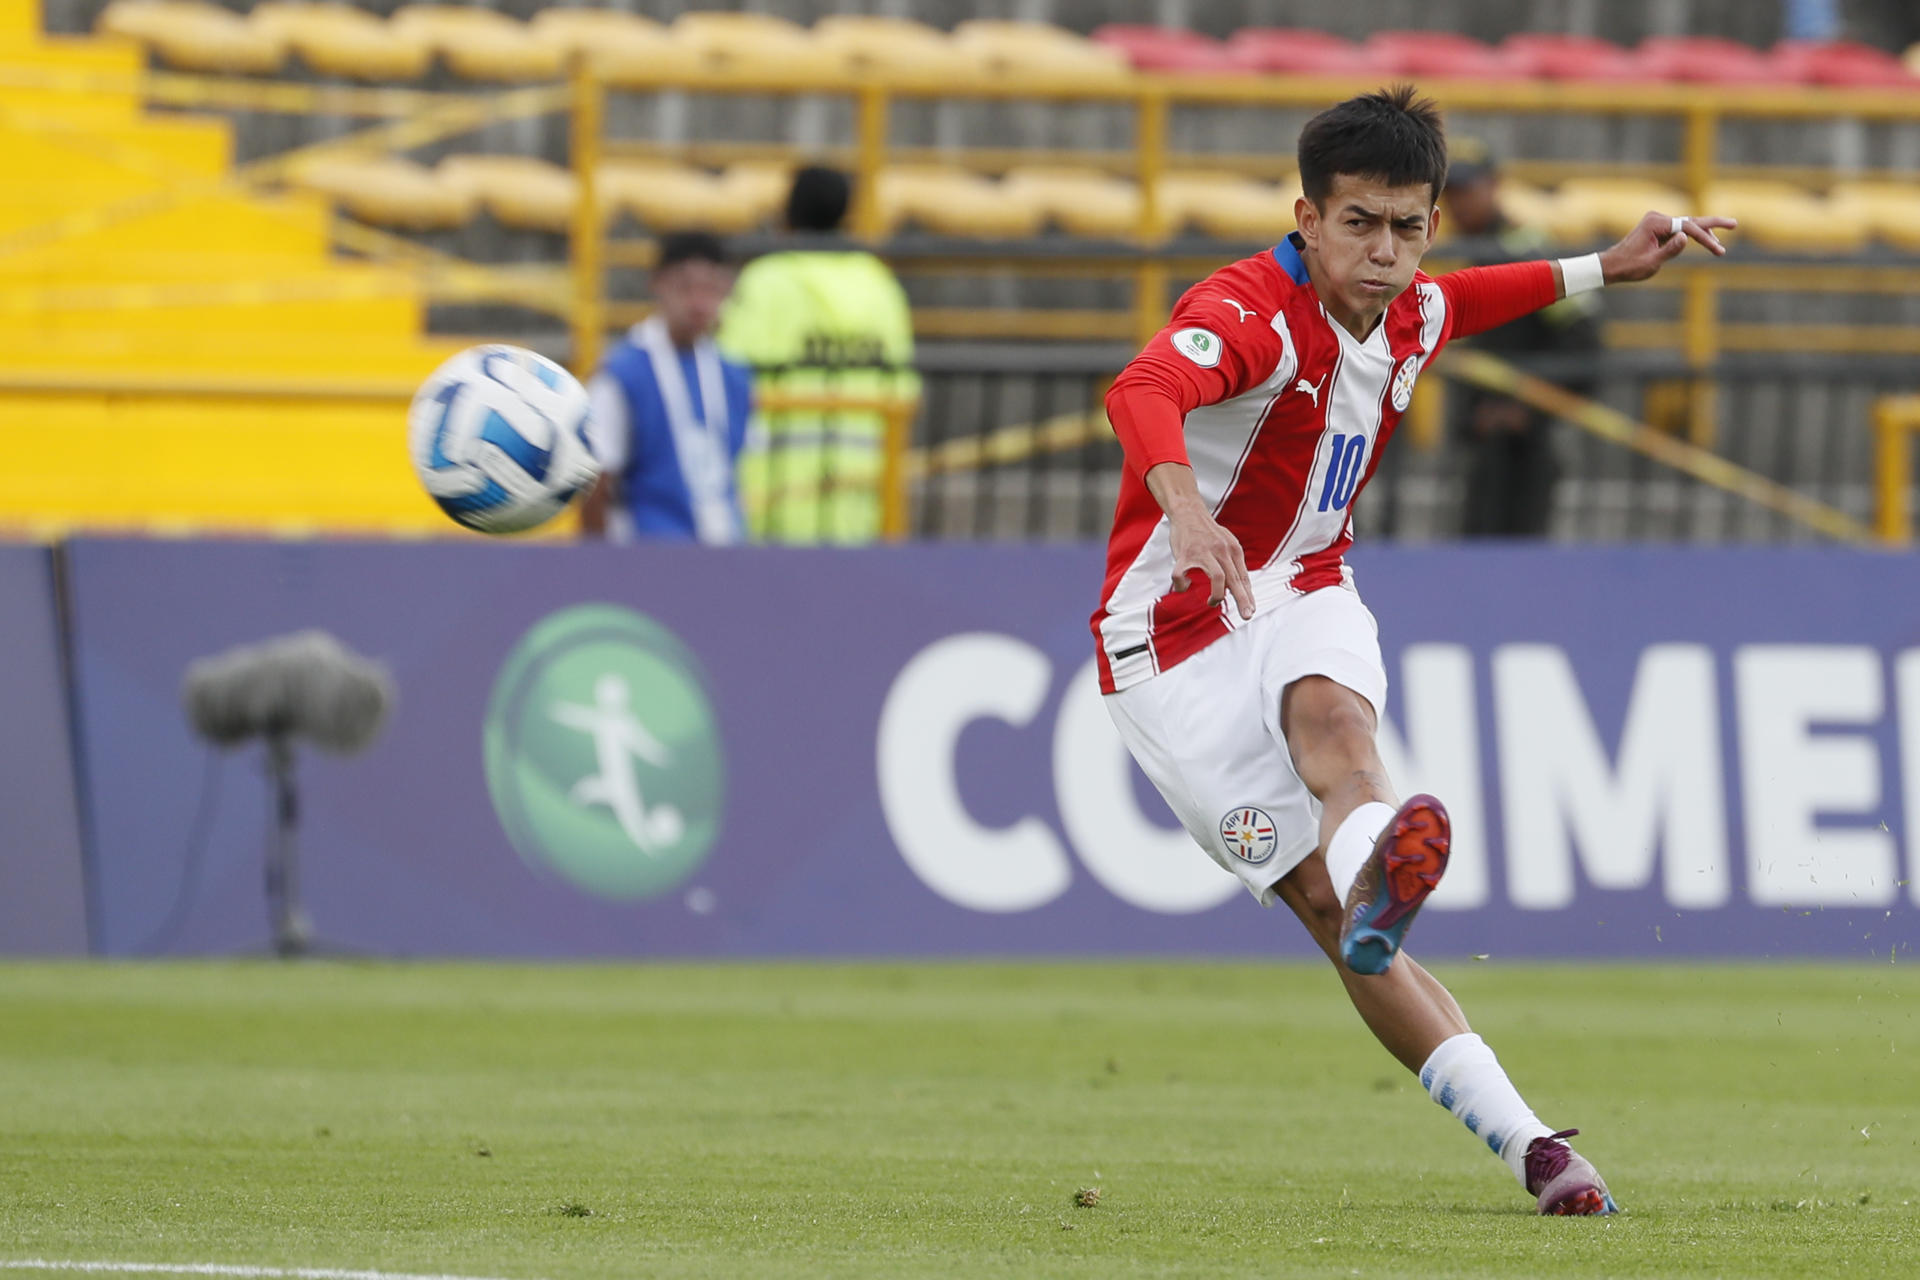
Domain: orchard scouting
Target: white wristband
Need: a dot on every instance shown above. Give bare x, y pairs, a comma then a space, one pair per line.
1582, 274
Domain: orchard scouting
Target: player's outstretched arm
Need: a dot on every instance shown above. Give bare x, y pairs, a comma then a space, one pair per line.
1657, 241
1482, 298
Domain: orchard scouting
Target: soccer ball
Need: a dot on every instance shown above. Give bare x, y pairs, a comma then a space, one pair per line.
499, 438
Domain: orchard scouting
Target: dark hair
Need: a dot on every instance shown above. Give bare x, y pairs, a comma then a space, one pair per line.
1391, 137
677, 247
819, 199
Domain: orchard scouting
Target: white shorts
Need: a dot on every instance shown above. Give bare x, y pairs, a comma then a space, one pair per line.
1207, 732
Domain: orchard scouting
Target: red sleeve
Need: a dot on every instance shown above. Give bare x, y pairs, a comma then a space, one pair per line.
1212, 350
1482, 298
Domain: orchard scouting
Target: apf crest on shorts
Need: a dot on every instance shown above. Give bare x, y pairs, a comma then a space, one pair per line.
1248, 835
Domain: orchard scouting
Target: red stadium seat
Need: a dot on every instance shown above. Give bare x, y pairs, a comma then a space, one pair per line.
1301, 52
1151, 48
1442, 53
1562, 57
1710, 59
1843, 62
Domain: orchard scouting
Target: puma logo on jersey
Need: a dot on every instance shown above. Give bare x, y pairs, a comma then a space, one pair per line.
1311, 388
1244, 311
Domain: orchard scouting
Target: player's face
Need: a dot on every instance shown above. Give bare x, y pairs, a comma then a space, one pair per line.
690, 295
1368, 239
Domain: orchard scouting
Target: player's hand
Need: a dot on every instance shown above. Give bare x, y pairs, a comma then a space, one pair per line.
1654, 243
1202, 545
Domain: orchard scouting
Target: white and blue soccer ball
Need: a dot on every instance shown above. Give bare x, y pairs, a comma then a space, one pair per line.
499, 438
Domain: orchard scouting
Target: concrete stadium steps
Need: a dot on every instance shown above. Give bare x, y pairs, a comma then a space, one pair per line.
175, 354
260, 461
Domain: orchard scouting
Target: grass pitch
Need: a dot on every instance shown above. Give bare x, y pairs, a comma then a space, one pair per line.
941, 1120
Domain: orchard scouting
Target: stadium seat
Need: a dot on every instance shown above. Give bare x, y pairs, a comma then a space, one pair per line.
340, 40
1884, 209
1041, 53
1911, 59
387, 192
1300, 52
954, 202
1085, 202
519, 191
759, 190
1226, 205
893, 48
1710, 59
1151, 48
1443, 54
1787, 219
1549, 56
1526, 205
753, 44
670, 197
1610, 207
625, 46
195, 36
1844, 63
480, 44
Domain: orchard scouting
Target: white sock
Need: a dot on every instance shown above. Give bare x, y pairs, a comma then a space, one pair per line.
1352, 843
1463, 1076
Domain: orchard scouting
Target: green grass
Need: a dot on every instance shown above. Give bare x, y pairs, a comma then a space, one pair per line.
940, 1120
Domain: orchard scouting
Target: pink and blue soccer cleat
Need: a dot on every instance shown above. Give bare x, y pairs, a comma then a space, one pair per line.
1564, 1180
1408, 860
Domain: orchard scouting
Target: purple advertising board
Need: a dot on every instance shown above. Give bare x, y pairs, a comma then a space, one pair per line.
42, 903
669, 751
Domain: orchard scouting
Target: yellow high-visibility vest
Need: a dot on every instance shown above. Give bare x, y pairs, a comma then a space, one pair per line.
818, 322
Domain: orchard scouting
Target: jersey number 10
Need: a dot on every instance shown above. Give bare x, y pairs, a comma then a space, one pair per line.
1343, 472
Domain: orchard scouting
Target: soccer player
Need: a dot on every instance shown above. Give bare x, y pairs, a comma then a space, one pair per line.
1241, 667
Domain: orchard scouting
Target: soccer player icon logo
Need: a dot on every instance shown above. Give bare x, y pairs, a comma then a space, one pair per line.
619, 741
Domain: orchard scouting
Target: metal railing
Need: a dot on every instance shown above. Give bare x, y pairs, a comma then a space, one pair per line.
1896, 419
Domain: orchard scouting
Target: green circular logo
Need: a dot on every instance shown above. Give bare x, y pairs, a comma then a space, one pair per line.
603, 753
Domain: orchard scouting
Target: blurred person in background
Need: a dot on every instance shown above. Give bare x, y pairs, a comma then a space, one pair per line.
670, 414
1511, 465
819, 319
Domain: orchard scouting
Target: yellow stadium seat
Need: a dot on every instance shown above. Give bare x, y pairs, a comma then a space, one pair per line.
954, 202
1085, 202
340, 40
388, 192
1887, 210
1226, 205
1611, 206
1525, 205
195, 36
1780, 216
1912, 59
894, 49
753, 44
759, 189
669, 197
625, 45
519, 191
480, 44
1041, 53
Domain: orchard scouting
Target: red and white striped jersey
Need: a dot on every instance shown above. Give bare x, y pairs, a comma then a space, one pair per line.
1283, 415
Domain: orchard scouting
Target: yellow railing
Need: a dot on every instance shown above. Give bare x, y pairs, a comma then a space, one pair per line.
1896, 419
413, 118
1699, 334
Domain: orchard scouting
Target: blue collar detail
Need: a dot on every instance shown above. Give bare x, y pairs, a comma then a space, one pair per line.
1287, 254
